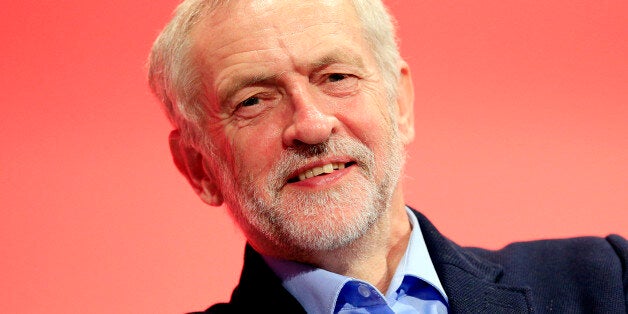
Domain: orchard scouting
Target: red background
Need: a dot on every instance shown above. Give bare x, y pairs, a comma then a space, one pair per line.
522, 133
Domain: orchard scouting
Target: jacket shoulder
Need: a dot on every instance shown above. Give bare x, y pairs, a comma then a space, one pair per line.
582, 255
564, 268
585, 249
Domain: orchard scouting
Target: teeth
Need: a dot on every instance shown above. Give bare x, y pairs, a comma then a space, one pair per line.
328, 168
317, 170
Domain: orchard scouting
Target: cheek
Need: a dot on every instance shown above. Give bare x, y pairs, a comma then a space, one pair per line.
256, 148
366, 119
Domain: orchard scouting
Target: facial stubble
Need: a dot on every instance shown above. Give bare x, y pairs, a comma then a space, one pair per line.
297, 221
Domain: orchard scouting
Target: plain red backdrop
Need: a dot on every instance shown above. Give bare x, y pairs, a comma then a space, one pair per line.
522, 133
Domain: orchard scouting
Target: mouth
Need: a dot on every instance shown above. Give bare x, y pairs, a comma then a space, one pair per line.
320, 171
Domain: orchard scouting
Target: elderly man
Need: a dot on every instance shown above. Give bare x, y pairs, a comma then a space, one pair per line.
296, 114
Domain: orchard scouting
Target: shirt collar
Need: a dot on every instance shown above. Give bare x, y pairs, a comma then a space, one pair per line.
415, 262
317, 289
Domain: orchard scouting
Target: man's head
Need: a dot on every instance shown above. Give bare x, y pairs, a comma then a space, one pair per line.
266, 94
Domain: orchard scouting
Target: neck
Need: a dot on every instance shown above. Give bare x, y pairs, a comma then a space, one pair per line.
375, 256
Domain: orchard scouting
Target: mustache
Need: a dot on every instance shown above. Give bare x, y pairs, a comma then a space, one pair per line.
302, 154
310, 151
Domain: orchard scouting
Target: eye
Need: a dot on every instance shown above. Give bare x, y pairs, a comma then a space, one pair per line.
339, 84
251, 101
335, 77
256, 104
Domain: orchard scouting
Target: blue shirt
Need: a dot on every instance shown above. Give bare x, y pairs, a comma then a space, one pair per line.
414, 286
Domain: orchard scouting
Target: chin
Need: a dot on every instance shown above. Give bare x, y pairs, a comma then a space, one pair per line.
327, 222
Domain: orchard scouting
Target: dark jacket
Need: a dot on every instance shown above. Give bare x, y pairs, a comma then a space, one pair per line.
579, 275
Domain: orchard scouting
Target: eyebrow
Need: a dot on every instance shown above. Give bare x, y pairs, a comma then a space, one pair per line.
338, 56
238, 82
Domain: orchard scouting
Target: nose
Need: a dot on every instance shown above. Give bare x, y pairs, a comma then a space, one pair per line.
309, 124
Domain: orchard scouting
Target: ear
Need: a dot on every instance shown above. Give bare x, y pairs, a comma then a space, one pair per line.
405, 104
189, 161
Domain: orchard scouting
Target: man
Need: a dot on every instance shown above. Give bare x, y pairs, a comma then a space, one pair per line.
296, 114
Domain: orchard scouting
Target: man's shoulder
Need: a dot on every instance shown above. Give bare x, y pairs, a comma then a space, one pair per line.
548, 262
575, 251
551, 275
582, 249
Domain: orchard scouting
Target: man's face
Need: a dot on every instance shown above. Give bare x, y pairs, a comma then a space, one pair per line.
309, 154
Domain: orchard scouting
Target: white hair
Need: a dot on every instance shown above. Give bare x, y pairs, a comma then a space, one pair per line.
176, 82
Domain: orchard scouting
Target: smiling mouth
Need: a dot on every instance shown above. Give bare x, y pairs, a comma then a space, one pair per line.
320, 171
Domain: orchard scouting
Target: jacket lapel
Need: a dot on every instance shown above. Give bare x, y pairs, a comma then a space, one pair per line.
472, 284
260, 290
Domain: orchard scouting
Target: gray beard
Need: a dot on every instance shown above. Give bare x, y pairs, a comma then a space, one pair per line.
308, 222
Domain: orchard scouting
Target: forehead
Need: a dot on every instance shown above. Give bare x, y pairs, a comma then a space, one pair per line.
252, 15
247, 33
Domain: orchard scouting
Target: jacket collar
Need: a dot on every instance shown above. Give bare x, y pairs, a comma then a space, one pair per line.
471, 283
260, 290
